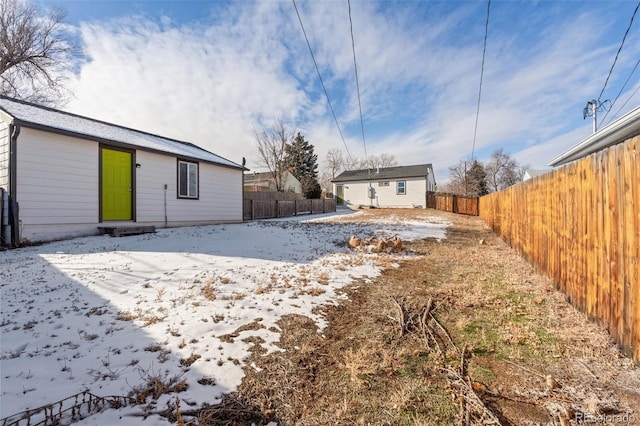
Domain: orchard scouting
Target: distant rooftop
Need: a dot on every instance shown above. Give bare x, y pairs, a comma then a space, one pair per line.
398, 172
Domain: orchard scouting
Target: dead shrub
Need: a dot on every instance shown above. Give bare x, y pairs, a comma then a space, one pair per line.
157, 384
209, 291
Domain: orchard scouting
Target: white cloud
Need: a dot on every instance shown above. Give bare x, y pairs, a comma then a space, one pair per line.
209, 82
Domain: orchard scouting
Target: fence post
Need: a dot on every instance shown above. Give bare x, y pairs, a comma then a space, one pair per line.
295, 207
253, 210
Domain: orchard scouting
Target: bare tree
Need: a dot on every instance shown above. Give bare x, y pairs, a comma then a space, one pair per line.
35, 53
386, 160
495, 168
502, 171
271, 144
335, 162
457, 179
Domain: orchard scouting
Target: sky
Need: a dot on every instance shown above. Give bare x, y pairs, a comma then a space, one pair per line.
209, 72
107, 314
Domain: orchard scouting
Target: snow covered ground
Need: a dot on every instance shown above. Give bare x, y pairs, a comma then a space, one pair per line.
109, 314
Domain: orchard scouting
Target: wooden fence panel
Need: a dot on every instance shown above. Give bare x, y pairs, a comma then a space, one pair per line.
580, 224
286, 208
267, 209
453, 203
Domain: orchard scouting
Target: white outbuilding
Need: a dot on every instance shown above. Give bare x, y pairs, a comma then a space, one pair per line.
63, 175
401, 186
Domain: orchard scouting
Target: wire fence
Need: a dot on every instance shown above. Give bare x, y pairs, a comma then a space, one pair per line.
67, 410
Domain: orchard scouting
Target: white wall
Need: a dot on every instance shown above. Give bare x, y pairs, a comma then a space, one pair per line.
356, 193
58, 189
4, 155
57, 179
220, 192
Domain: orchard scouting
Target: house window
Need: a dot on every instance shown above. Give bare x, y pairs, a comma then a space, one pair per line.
187, 179
383, 183
401, 187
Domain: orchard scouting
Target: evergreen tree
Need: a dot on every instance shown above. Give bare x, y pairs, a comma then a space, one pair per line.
303, 164
477, 180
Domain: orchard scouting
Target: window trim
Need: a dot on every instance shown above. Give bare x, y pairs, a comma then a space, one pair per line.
197, 165
404, 184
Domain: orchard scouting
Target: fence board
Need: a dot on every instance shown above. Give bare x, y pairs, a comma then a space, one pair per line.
453, 203
272, 208
580, 224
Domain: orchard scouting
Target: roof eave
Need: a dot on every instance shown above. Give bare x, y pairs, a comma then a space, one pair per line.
625, 127
42, 127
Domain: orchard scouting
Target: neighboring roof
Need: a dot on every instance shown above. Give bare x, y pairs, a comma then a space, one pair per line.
49, 119
399, 172
532, 173
260, 176
618, 131
257, 176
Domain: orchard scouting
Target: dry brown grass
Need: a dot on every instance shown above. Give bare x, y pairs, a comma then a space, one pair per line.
519, 329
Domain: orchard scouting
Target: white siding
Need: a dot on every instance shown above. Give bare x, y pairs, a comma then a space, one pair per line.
356, 193
58, 189
220, 192
57, 179
431, 182
4, 155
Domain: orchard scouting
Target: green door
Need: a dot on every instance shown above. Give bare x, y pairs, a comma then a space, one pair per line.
117, 188
339, 194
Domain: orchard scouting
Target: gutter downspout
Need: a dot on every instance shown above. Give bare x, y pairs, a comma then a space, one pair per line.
14, 216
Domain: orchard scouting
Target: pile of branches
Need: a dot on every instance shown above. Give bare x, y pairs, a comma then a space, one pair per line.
454, 361
375, 245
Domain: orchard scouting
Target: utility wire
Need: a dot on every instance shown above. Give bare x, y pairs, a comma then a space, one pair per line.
619, 93
632, 95
355, 67
321, 81
484, 51
619, 49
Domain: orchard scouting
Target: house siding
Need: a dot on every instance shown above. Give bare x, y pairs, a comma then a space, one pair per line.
58, 189
356, 193
4, 155
219, 198
57, 180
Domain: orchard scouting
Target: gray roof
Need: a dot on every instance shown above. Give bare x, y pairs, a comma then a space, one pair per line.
398, 172
52, 120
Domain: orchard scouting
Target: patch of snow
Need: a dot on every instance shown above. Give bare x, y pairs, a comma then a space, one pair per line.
105, 314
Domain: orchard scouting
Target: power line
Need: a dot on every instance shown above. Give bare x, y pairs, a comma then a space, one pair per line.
484, 51
321, 81
355, 67
623, 105
620, 92
619, 49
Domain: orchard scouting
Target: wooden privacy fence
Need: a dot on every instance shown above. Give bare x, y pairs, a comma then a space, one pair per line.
460, 204
257, 209
580, 224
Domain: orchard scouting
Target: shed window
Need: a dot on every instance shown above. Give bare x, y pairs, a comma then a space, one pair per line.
187, 179
401, 187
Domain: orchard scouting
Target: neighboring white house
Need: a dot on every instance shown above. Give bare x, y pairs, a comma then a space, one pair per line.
70, 174
532, 173
402, 186
263, 181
